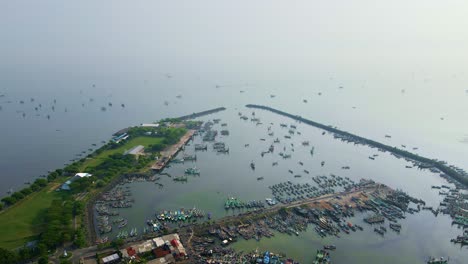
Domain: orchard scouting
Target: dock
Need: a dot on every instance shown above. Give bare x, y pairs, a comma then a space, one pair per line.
171, 151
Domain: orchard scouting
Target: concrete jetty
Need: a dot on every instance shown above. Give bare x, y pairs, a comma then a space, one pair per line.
171, 151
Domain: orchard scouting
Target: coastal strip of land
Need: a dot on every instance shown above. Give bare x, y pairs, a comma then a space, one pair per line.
423, 162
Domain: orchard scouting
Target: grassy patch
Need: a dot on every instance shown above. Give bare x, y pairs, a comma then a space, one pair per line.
25, 220
144, 141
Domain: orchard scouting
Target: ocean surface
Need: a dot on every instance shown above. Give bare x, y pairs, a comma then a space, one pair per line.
34, 144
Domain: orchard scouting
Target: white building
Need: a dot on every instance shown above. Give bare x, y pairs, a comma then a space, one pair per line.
66, 185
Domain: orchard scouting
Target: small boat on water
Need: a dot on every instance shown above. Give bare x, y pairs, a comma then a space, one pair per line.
252, 165
260, 178
440, 260
192, 171
270, 201
322, 256
329, 247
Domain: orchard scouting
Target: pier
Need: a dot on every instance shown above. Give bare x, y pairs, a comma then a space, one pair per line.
171, 151
423, 161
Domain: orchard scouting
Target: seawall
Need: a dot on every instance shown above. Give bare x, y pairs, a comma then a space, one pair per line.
203, 113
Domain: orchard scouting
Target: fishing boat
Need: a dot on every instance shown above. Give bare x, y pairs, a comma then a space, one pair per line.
440, 260
252, 165
260, 178
180, 178
270, 201
123, 224
329, 247
192, 171
321, 257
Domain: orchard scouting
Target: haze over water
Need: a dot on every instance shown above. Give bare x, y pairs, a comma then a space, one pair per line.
402, 65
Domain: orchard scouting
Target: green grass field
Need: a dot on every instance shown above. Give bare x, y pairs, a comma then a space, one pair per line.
144, 141
25, 220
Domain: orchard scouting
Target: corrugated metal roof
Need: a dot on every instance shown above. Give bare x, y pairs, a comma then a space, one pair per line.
110, 258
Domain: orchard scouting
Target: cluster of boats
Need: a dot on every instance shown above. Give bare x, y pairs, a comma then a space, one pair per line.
180, 215
331, 181
201, 147
220, 147
210, 135
288, 192
322, 257
380, 230
192, 171
103, 224
235, 203
123, 234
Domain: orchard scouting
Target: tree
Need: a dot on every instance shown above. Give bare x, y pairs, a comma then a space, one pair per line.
9, 200
81, 184
26, 191
117, 243
80, 240
72, 168
52, 176
7, 256
42, 249
18, 196
100, 184
43, 260
41, 182
35, 187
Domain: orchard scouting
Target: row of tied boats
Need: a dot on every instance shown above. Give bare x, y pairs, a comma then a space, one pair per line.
123, 234
235, 203
180, 215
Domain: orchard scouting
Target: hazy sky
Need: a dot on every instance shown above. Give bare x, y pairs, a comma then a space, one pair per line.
244, 36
